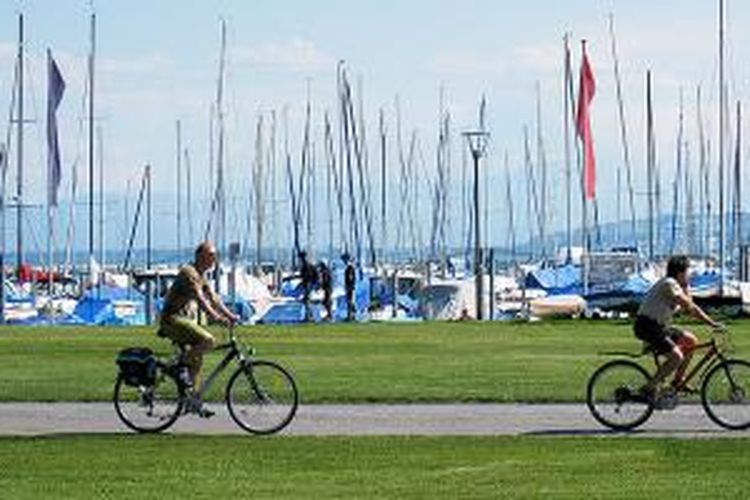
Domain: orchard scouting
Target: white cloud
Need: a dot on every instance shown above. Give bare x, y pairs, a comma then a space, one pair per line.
294, 54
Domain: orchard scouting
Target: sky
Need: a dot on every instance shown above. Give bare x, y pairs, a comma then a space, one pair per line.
157, 62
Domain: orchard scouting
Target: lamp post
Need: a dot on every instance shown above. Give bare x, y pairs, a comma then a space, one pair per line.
477, 140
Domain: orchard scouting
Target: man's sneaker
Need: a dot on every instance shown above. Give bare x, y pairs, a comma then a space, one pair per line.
195, 406
667, 400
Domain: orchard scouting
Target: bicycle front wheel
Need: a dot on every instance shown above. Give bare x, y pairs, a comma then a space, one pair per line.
262, 397
148, 408
613, 395
725, 394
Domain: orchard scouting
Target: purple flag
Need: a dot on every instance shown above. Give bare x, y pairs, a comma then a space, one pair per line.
55, 90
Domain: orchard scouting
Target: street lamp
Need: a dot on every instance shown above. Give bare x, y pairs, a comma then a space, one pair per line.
477, 140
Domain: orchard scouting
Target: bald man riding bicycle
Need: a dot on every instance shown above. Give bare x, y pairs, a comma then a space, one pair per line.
179, 316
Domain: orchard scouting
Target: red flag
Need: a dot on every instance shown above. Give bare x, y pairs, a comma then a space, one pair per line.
586, 90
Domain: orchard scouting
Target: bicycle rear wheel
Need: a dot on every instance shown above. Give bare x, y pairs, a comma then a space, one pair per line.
148, 408
613, 395
725, 394
262, 397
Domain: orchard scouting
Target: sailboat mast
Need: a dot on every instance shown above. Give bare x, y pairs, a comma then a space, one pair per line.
703, 233
189, 197
178, 160
383, 184
738, 180
650, 166
566, 128
623, 132
542, 164
221, 230
100, 144
722, 98
19, 132
92, 54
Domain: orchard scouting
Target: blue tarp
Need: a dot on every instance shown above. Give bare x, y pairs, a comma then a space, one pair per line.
705, 279
102, 312
96, 306
290, 313
556, 280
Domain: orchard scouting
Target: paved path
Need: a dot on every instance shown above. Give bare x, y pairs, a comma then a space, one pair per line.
401, 419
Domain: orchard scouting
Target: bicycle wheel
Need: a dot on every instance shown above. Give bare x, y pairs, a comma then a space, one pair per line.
262, 397
725, 394
613, 396
148, 408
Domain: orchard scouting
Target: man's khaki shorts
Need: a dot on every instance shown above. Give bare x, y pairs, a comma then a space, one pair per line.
185, 331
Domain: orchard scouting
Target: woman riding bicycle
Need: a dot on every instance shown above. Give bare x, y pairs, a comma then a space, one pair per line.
653, 323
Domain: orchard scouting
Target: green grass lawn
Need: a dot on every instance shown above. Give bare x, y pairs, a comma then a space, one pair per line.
370, 467
549, 361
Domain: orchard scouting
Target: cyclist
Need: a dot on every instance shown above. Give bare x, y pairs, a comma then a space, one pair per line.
653, 323
179, 316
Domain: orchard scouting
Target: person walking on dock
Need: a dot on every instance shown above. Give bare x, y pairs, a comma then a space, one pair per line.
326, 284
309, 277
350, 279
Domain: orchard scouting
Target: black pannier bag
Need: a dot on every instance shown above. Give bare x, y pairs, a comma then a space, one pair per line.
137, 365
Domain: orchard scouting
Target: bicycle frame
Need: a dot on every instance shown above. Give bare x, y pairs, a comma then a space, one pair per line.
234, 352
712, 356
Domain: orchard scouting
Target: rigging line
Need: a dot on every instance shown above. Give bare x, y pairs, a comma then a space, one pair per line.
360, 153
347, 138
260, 199
411, 190
402, 177
290, 186
623, 127
509, 200
383, 184
567, 72
134, 228
303, 194
188, 195
542, 164
533, 186
702, 180
337, 188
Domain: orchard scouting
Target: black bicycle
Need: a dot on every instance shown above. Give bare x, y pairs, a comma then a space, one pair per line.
151, 393
615, 398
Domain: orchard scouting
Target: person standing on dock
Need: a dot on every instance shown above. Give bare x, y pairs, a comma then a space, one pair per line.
309, 277
350, 280
326, 284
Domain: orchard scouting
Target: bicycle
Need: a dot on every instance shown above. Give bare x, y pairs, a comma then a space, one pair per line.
151, 393
614, 396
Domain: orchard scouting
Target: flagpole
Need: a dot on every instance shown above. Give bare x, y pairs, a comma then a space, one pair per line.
49, 173
566, 128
